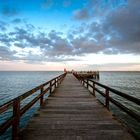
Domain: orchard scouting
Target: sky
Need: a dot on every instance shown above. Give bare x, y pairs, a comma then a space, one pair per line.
46, 35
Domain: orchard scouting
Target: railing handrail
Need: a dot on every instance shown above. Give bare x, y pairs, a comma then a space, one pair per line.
122, 94
16, 103
24, 94
108, 98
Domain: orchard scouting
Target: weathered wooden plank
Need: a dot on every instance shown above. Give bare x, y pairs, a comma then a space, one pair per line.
72, 113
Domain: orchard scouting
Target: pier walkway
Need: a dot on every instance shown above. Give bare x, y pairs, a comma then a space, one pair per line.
72, 113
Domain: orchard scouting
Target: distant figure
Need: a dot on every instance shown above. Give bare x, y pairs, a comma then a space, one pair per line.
72, 71
65, 70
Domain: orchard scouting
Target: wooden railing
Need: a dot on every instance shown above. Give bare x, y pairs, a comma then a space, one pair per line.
93, 85
16, 105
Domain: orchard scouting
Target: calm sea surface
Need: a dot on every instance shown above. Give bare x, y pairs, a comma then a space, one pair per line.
129, 83
13, 84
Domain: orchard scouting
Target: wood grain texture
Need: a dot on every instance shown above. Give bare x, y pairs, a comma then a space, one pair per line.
72, 113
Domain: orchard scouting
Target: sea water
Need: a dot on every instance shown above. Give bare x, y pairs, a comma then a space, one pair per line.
13, 84
128, 83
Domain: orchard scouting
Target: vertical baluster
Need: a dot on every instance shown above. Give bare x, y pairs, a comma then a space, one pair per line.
87, 83
93, 88
16, 115
58, 81
61, 78
55, 83
107, 99
41, 98
50, 87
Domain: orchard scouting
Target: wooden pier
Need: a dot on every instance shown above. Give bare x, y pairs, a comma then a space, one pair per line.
87, 74
71, 113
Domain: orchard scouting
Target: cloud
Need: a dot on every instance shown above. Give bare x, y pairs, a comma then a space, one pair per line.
3, 26
51, 44
17, 21
81, 14
84, 45
20, 44
56, 45
47, 3
9, 11
24, 36
115, 67
115, 25
116, 32
5, 39
6, 53
67, 3
123, 26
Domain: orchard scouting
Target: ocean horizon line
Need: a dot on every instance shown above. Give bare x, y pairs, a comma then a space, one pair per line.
68, 70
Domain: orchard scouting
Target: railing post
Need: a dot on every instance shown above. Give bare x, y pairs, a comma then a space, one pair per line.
98, 77
16, 123
107, 98
55, 83
93, 88
62, 77
87, 83
50, 87
58, 81
41, 98
82, 81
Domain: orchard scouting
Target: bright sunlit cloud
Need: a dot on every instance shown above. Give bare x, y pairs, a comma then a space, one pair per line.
105, 59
